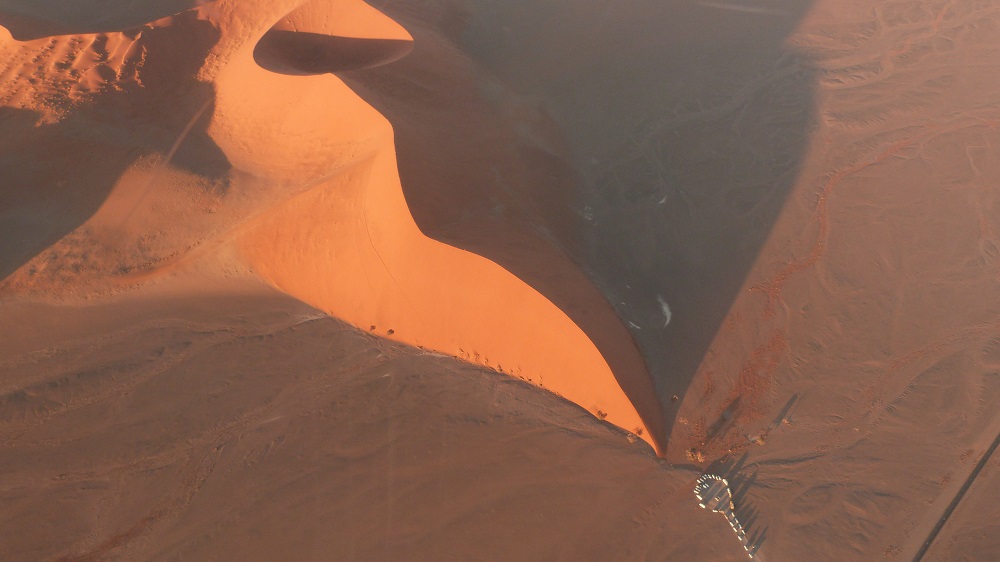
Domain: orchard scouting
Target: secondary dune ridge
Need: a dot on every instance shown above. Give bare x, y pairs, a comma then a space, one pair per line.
257, 151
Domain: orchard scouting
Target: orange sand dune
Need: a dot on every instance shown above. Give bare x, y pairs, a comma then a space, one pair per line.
31, 19
266, 153
376, 268
812, 185
349, 246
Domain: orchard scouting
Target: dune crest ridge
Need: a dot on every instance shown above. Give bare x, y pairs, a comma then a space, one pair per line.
312, 199
349, 246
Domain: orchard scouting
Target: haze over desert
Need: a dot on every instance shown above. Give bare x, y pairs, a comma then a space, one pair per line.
499, 280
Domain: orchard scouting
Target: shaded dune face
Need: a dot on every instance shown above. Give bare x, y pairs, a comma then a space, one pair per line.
80, 114
689, 124
323, 37
314, 53
314, 203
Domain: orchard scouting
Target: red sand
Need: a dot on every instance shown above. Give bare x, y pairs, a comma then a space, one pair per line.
811, 187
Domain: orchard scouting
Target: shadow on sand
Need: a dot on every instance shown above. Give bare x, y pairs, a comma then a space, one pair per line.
740, 482
683, 128
58, 173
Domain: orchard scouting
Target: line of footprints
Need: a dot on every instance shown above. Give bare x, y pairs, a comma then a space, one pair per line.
713, 493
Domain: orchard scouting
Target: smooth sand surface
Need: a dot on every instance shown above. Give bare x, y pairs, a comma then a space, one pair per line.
202, 421
787, 210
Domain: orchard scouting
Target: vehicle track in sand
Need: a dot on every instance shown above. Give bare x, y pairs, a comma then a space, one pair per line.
922, 538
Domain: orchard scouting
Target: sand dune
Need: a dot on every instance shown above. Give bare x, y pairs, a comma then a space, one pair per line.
27, 20
302, 179
355, 251
787, 209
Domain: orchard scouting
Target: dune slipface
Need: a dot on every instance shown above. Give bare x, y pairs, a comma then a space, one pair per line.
349, 245
264, 151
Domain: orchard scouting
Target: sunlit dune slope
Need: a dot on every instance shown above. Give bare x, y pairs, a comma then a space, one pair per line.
222, 128
349, 246
355, 252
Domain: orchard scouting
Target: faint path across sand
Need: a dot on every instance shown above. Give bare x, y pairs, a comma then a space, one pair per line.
938, 513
